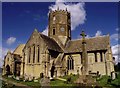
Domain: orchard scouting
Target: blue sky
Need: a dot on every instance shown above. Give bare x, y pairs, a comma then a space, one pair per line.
20, 19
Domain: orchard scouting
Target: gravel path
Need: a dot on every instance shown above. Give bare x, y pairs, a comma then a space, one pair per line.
15, 83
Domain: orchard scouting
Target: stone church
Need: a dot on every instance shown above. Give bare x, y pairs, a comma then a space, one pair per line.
57, 54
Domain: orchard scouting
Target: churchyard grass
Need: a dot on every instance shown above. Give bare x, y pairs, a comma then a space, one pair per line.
28, 83
71, 84
57, 83
103, 81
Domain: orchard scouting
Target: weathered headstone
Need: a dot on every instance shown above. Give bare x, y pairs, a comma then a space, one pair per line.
26, 78
35, 80
9, 76
45, 82
113, 75
17, 78
30, 78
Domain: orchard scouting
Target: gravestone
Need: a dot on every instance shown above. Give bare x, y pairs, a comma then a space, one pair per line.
17, 78
26, 78
113, 75
30, 78
45, 82
35, 80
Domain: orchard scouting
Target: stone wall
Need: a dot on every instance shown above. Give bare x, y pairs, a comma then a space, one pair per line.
8, 60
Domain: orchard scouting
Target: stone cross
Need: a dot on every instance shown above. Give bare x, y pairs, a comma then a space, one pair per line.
84, 54
83, 34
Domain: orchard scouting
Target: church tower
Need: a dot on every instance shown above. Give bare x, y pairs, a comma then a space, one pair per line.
60, 26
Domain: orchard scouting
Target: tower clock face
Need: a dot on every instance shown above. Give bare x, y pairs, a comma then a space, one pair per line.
62, 29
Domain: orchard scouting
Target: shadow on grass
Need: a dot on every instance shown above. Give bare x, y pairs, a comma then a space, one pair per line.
115, 86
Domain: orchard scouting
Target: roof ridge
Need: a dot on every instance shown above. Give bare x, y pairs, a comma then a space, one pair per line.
91, 37
18, 47
46, 36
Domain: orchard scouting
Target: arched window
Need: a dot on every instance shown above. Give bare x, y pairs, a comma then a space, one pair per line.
29, 55
70, 63
101, 57
95, 57
38, 53
53, 31
33, 53
8, 59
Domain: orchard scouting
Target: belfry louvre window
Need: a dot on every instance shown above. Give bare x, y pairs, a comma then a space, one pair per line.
33, 53
53, 31
38, 53
70, 63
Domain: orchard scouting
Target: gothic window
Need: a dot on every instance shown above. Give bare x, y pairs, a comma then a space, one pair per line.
101, 57
53, 31
38, 53
70, 63
29, 55
95, 57
33, 53
8, 59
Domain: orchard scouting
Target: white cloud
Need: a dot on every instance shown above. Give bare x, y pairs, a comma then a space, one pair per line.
117, 29
45, 32
116, 52
78, 14
115, 36
10, 40
54, 0
0, 52
88, 36
98, 33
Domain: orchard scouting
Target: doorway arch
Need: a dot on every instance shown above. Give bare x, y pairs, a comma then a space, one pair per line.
7, 70
52, 71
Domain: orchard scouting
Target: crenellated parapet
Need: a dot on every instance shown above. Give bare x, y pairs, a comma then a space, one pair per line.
60, 11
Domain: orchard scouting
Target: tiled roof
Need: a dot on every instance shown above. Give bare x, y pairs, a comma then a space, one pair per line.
51, 43
92, 44
19, 49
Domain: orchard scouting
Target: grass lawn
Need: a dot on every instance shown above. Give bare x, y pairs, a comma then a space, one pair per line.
114, 83
57, 82
54, 83
73, 77
31, 83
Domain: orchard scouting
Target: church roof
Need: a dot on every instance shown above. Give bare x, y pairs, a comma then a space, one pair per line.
19, 49
51, 44
92, 44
